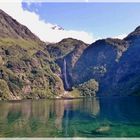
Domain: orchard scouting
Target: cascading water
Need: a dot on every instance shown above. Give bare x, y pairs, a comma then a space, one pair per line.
65, 74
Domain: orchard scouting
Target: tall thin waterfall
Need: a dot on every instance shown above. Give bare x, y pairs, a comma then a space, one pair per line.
65, 74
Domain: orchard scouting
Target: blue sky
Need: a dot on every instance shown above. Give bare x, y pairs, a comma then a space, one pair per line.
101, 19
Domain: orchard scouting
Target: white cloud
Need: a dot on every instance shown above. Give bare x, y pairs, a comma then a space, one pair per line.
42, 29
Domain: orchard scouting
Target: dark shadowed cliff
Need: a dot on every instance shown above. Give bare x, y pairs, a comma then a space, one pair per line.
114, 63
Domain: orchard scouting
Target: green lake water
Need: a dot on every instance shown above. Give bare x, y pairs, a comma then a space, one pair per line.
88, 117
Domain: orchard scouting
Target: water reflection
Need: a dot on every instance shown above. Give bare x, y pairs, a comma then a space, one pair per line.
68, 117
91, 106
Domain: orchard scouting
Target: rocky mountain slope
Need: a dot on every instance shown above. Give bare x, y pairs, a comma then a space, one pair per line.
10, 28
25, 66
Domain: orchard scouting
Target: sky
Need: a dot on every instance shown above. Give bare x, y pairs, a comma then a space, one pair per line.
84, 21
101, 19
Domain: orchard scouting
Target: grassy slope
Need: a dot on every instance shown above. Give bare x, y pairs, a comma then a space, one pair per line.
24, 73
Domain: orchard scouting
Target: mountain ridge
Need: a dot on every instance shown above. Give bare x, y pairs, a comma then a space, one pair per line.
11, 28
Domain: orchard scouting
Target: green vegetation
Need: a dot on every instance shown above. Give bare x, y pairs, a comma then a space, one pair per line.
89, 88
29, 68
75, 93
4, 90
26, 44
27, 72
62, 48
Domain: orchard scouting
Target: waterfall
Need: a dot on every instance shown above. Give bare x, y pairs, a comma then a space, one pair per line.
65, 74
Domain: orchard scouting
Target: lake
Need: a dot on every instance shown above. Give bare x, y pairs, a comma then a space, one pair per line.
86, 117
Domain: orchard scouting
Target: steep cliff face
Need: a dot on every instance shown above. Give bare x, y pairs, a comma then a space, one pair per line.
67, 58
124, 78
98, 59
114, 63
66, 54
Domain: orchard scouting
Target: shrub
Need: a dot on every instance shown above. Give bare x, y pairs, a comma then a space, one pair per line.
89, 88
4, 90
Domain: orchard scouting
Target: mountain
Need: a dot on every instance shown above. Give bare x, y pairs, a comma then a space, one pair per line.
135, 34
57, 27
114, 63
32, 69
25, 65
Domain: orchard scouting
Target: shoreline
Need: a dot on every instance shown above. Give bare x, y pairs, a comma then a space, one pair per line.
63, 98
55, 98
